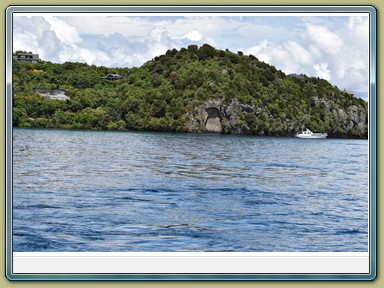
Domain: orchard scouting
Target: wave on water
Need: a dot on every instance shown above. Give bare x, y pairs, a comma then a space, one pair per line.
155, 192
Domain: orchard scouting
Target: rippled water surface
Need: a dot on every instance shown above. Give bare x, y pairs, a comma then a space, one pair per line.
132, 192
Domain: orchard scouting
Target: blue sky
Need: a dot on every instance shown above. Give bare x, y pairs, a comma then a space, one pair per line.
334, 48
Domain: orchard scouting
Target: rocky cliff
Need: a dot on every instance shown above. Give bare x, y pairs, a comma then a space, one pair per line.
215, 117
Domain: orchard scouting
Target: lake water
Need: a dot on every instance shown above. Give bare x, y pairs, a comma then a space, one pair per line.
134, 192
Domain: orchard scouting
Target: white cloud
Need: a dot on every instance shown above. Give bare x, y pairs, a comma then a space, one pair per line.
352, 65
194, 35
358, 26
288, 56
338, 54
128, 26
315, 51
158, 34
25, 41
298, 53
325, 39
328, 47
257, 49
65, 32
78, 54
322, 71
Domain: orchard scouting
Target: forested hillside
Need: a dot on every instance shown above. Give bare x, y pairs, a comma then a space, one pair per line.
195, 89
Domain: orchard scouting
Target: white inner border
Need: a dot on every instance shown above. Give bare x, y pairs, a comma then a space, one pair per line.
191, 262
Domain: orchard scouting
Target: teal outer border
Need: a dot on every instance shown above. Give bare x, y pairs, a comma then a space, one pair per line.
199, 277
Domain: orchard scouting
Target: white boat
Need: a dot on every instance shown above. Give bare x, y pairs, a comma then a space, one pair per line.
310, 135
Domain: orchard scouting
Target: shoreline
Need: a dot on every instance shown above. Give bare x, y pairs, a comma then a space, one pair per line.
179, 133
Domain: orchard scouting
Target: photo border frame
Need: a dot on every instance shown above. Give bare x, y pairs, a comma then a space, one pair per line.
198, 9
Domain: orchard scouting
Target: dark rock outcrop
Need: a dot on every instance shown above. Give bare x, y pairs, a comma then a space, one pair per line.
215, 117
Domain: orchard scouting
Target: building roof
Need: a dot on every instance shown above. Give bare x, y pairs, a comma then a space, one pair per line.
112, 75
26, 57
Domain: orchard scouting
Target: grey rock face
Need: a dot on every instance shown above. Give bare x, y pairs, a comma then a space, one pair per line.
215, 117
352, 118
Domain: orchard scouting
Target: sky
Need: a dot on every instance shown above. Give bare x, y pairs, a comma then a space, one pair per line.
334, 48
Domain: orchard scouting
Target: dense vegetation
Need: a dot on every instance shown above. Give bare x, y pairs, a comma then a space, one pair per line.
163, 94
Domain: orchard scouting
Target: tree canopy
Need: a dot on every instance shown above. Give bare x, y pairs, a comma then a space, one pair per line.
164, 93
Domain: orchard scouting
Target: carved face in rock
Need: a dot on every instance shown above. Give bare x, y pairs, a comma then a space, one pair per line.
213, 122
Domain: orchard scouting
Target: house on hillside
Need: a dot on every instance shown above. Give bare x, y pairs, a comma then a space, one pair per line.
352, 93
298, 76
26, 57
57, 97
54, 94
40, 90
112, 77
